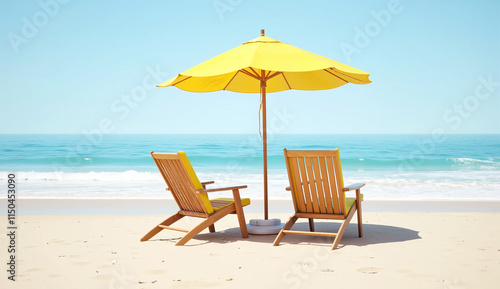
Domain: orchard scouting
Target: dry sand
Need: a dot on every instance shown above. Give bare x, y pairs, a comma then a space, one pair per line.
399, 250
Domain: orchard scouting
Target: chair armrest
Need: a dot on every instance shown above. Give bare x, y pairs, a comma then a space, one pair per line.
353, 187
221, 189
204, 184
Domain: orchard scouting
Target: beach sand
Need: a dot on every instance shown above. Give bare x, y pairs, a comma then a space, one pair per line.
413, 249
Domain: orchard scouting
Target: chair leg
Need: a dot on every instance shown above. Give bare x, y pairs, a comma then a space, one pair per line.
240, 214
343, 227
311, 224
206, 223
287, 226
169, 221
211, 228
360, 219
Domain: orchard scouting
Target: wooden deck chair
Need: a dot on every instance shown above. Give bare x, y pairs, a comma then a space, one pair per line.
318, 192
191, 197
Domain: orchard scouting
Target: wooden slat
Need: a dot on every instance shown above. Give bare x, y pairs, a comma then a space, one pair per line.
319, 186
189, 188
312, 184
179, 182
172, 180
179, 187
290, 180
314, 153
333, 185
162, 172
173, 228
304, 185
299, 193
320, 216
164, 156
194, 214
218, 203
172, 183
168, 178
309, 233
326, 185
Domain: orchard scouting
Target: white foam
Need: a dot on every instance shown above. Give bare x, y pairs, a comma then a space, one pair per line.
126, 176
380, 185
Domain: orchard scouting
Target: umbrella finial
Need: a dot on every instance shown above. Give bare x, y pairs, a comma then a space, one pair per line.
262, 32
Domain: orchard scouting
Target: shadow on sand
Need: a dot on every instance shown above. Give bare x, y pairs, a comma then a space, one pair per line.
372, 234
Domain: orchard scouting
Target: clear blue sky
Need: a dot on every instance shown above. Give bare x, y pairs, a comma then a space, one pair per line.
73, 66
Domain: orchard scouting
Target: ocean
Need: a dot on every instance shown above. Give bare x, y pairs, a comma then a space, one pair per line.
394, 167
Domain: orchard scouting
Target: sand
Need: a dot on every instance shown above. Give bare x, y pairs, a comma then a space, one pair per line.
414, 249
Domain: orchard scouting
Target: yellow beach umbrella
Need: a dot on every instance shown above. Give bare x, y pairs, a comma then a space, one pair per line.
266, 65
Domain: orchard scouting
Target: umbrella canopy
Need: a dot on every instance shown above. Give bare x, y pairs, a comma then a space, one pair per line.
266, 65
285, 66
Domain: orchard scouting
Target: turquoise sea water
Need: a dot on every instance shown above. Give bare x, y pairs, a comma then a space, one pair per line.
120, 166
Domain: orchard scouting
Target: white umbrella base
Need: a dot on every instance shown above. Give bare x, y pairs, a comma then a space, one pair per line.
264, 227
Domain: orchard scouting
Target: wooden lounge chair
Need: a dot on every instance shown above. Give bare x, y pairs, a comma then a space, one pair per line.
318, 192
191, 197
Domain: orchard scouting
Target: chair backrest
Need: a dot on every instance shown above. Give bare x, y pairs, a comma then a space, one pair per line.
182, 181
316, 181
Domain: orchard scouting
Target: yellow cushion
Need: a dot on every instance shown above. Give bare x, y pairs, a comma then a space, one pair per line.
349, 202
196, 182
244, 202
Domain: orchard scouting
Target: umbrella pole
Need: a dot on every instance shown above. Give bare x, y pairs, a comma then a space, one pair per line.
266, 226
264, 141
